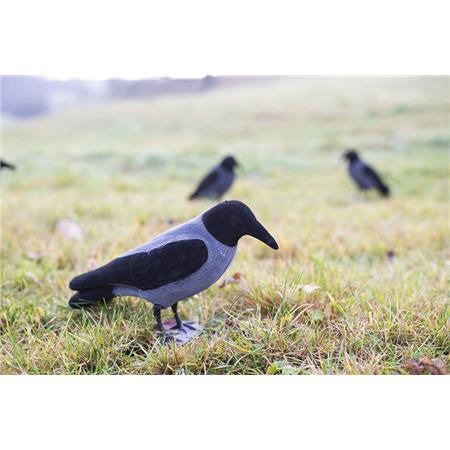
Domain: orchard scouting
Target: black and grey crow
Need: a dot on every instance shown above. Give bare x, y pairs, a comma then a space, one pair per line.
218, 181
363, 175
6, 165
175, 265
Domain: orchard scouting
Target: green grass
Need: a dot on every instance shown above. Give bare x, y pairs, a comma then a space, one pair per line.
122, 170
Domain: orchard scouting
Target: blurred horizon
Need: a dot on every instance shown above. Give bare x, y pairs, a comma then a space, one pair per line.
26, 96
29, 96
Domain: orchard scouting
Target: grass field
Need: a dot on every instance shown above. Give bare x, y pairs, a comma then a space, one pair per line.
123, 171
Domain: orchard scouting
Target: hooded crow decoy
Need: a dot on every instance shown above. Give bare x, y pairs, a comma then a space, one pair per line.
218, 181
175, 265
363, 175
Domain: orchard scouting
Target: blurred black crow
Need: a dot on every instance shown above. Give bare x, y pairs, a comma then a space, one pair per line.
218, 181
6, 165
363, 175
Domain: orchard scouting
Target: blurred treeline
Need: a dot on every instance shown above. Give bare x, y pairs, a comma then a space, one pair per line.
28, 96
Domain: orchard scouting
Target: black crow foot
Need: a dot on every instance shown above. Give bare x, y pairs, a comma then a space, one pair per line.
180, 335
190, 326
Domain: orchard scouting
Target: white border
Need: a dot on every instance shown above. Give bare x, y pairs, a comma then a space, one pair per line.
133, 38
348, 412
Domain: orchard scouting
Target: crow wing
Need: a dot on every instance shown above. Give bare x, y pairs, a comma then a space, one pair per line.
374, 179
147, 270
205, 184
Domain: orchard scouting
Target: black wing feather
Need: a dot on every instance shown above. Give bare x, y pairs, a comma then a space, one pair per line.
205, 184
375, 180
147, 270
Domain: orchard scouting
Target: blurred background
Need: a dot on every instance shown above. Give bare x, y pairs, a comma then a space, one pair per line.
28, 96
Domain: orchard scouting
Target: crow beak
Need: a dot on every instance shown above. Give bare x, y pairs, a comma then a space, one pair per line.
260, 233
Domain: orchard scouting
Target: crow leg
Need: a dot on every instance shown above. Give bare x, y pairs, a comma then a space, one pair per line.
157, 314
175, 314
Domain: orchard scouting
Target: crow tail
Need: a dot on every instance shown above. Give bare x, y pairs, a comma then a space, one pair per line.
384, 190
84, 299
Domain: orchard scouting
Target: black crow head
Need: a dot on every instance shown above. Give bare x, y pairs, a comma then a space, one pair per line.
351, 155
230, 220
229, 163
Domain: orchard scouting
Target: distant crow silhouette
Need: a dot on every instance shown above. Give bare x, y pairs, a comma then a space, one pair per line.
218, 181
363, 175
6, 165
